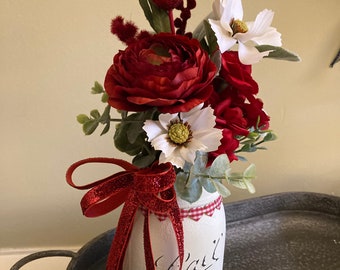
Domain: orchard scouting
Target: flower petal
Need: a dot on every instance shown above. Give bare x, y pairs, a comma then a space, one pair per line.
232, 10
223, 36
166, 118
262, 22
176, 159
153, 129
249, 54
270, 37
210, 138
195, 119
188, 153
260, 31
160, 143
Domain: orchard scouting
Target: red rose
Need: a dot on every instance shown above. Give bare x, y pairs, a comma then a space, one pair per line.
234, 100
228, 116
237, 74
255, 114
170, 72
232, 122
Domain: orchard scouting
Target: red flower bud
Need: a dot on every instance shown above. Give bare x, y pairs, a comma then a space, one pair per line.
125, 31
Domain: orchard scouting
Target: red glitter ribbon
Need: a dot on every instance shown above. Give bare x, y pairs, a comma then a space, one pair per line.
151, 188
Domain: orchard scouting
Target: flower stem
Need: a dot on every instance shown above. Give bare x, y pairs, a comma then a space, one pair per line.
125, 121
171, 20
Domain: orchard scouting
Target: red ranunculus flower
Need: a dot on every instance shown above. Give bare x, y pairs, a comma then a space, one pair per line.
170, 72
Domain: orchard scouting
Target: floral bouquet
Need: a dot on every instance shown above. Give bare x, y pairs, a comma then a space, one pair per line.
188, 107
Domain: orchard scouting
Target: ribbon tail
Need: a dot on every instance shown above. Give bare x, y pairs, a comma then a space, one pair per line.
122, 235
149, 261
175, 217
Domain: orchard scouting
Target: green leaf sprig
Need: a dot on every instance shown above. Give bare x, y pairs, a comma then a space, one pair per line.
191, 181
91, 122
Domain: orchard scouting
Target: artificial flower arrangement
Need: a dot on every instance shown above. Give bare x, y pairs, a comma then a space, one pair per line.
187, 98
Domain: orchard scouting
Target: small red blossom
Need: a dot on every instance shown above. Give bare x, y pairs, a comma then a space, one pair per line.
228, 146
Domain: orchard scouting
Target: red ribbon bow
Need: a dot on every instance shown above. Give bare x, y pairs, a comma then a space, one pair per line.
152, 188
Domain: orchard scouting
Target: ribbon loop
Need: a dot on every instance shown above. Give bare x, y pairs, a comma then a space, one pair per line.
151, 188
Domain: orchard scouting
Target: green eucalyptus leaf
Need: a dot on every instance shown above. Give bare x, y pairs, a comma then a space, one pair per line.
207, 184
82, 118
269, 137
106, 129
250, 187
237, 183
221, 189
97, 88
90, 126
189, 193
244, 180
250, 172
252, 135
105, 97
105, 117
248, 141
200, 163
278, 53
192, 176
248, 148
219, 167
95, 114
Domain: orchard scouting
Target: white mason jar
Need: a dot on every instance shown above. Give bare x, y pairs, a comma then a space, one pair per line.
204, 237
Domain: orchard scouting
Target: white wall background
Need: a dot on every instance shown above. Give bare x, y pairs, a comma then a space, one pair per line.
51, 52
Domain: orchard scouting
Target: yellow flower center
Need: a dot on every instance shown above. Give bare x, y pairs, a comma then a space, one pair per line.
179, 133
239, 26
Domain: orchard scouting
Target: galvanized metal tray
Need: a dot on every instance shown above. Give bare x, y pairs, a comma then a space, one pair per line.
295, 231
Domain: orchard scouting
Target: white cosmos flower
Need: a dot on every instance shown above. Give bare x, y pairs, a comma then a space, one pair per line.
178, 136
230, 29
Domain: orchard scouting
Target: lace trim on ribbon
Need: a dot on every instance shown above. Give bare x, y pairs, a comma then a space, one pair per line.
193, 213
